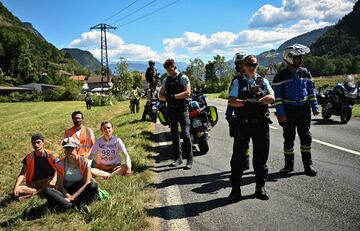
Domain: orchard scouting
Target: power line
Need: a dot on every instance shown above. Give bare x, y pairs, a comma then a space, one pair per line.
145, 15
121, 10
137, 10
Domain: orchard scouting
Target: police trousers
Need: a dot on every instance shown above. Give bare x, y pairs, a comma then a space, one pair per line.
259, 134
298, 118
177, 116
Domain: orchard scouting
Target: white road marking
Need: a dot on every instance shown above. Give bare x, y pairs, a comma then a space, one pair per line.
329, 145
220, 111
337, 147
175, 209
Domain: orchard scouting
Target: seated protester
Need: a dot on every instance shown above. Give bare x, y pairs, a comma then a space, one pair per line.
38, 170
106, 154
84, 134
75, 186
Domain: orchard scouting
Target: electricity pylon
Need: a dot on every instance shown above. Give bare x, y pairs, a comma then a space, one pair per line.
104, 55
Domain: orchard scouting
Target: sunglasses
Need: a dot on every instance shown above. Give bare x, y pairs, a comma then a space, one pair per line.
251, 65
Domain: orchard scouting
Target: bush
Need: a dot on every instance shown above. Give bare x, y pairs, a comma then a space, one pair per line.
98, 100
22, 97
224, 94
64, 93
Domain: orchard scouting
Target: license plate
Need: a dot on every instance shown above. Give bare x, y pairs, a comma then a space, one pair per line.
196, 123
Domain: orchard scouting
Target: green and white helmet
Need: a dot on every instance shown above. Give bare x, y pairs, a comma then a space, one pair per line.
349, 81
239, 56
295, 50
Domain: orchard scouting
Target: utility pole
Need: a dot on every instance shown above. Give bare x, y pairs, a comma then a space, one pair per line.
104, 55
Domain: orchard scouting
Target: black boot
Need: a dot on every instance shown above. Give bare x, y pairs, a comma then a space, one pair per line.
261, 193
188, 164
307, 161
176, 163
235, 194
289, 164
310, 170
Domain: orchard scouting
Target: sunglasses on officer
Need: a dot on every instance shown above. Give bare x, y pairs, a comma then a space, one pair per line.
253, 65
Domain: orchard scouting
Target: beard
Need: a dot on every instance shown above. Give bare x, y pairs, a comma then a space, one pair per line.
77, 123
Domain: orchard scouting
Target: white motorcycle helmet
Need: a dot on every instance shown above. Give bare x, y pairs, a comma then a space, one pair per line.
295, 50
239, 56
349, 81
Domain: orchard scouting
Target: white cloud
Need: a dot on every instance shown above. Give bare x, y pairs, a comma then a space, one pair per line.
269, 26
249, 40
116, 47
322, 11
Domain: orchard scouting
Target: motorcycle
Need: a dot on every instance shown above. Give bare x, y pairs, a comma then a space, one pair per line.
338, 101
151, 105
199, 97
202, 120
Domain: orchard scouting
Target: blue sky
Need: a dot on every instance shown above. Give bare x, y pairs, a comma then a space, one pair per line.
184, 30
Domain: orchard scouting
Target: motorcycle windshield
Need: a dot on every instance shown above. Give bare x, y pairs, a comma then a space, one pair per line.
351, 94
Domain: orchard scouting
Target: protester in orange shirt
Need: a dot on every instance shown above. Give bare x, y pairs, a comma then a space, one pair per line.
84, 134
38, 170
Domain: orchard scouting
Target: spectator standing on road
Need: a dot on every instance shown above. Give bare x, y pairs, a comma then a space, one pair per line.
175, 91
295, 98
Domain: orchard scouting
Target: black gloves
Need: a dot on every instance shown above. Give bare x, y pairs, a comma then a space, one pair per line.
170, 97
250, 102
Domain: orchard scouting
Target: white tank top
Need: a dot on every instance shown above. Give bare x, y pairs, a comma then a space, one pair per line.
107, 153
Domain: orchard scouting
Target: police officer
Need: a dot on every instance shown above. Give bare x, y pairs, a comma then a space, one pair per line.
250, 94
175, 91
294, 96
151, 75
229, 114
134, 100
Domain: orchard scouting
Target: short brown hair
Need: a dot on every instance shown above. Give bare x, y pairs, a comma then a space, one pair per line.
105, 122
249, 57
77, 112
169, 63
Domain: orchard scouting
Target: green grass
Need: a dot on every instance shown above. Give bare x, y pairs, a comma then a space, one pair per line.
212, 95
356, 110
129, 195
331, 81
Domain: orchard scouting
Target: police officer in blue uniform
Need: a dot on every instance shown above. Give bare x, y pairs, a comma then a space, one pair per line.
250, 94
294, 99
229, 114
175, 91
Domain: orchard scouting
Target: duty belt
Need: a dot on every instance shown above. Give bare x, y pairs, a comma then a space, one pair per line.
256, 120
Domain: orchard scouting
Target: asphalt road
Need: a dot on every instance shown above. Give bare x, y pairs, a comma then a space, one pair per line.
196, 199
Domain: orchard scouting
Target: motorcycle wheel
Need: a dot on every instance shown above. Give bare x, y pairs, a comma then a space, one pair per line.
345, 116
203, 145
325, 113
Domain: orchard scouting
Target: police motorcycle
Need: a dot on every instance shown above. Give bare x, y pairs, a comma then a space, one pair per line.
339, 100
202, 120
200, 98
150, 108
